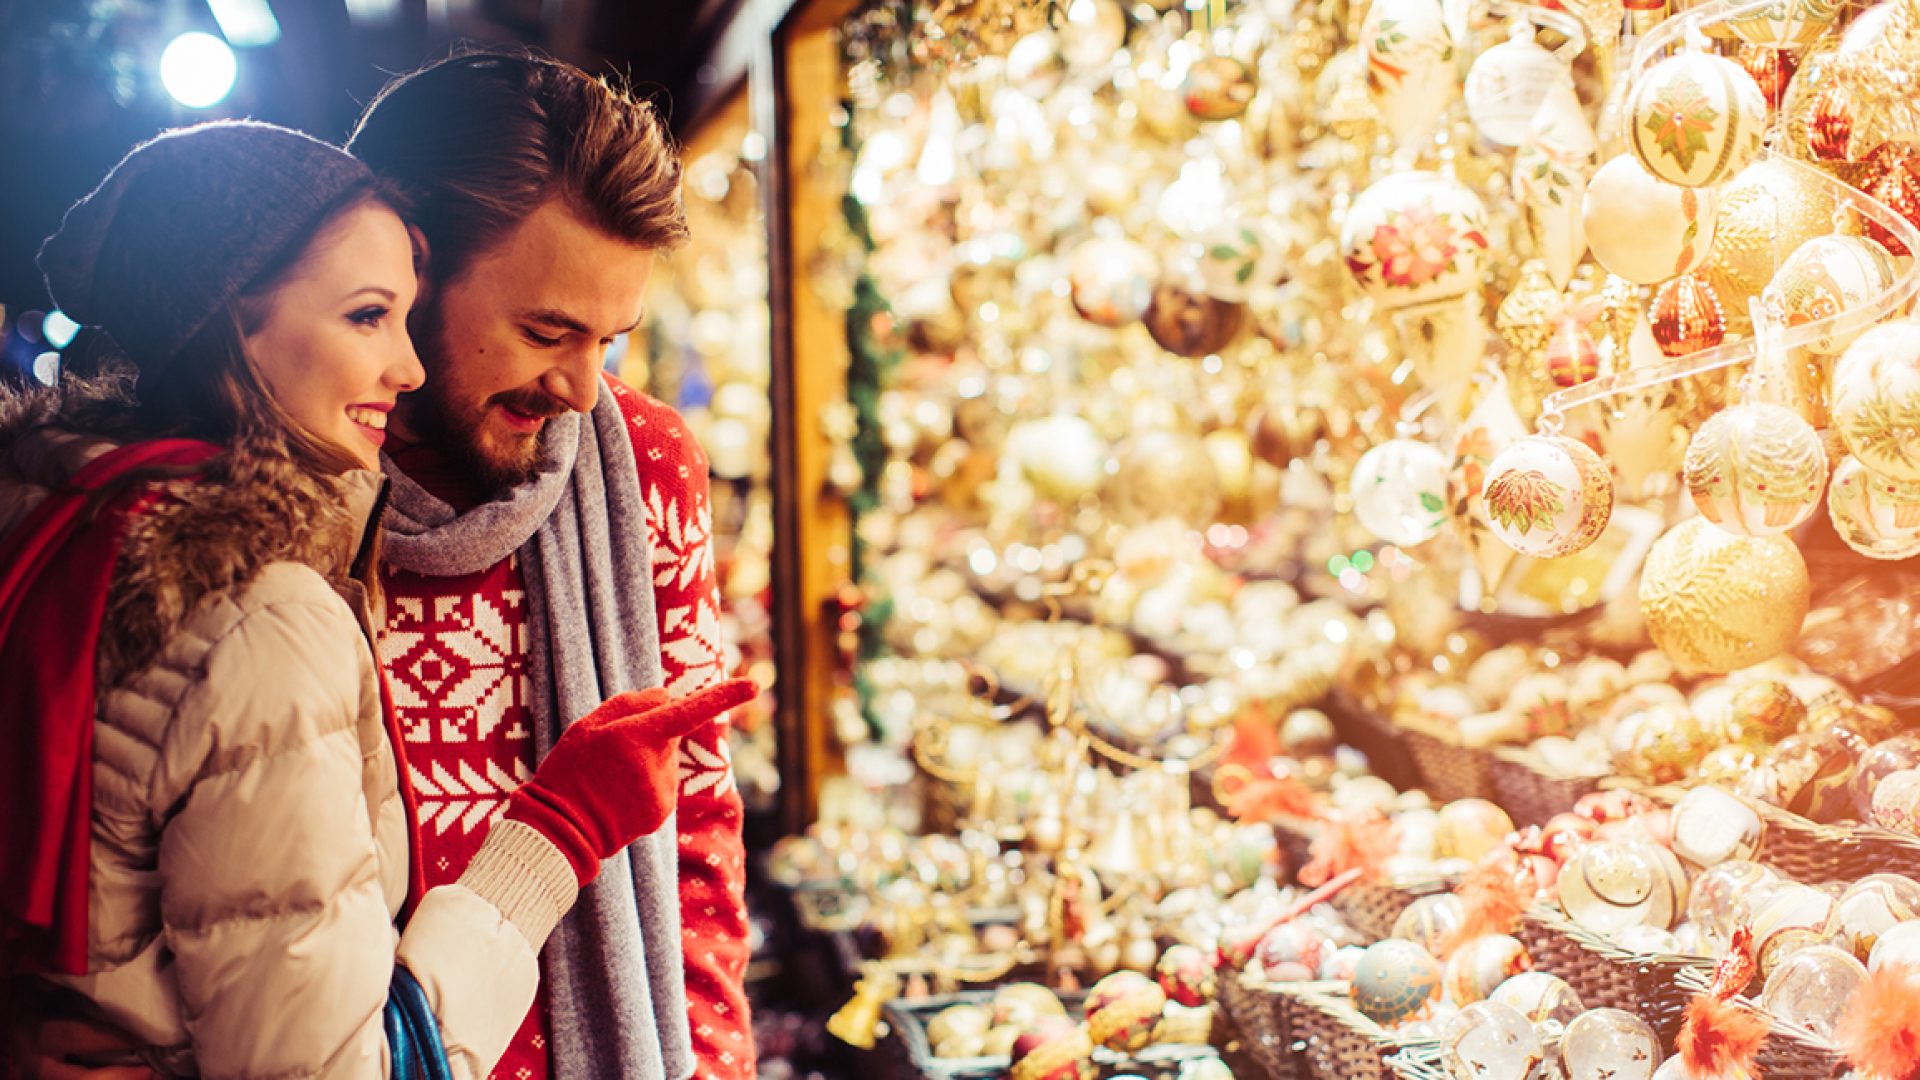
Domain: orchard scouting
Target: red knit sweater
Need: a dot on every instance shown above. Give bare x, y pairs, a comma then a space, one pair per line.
455, 650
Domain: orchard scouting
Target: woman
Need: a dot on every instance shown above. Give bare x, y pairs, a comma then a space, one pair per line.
204, 840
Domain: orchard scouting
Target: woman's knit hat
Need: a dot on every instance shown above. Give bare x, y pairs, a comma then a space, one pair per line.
184, 223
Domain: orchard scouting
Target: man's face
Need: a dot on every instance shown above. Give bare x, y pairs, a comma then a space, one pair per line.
518, 338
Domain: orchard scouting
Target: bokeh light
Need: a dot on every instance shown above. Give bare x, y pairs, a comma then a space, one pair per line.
198, 70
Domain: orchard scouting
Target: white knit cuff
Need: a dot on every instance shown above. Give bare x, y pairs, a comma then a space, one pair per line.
523, 874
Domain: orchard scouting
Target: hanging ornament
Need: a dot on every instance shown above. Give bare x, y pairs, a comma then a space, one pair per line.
1094, 30
1283, 428
1217, 88
1489, 429
1765, 213
1715, 602
1686, 316
1238, 256
1164, 474
1551, 171
1875, 401
1695, 119
1399, 491
1186, 975
1825, 277
1893, 178
1877, 516
1415, 237
1643, 431
1410, 71
1523, 322
1646, 230
1788, 24
1111, 281
1187, 322
1571, 357
1601, 20
1772, 69
1548, 496
1830, 128
1507, 84
1756, 469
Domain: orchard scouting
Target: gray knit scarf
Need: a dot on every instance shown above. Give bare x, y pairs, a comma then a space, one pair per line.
616, 991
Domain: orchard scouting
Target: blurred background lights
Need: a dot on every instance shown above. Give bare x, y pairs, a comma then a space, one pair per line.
46, 368
197, 70
246, 24
57, 330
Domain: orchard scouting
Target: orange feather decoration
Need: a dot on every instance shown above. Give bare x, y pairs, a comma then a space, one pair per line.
1493, 896
1266, 797
1349, 842
1880, 1032
1717, 1037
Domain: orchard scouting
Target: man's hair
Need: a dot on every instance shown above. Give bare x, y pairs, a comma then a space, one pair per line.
481, 139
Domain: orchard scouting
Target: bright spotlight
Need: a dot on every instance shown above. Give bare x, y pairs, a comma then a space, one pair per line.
46, 368
58, 330
197, 69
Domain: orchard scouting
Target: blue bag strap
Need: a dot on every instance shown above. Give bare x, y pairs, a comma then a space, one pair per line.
413, 1034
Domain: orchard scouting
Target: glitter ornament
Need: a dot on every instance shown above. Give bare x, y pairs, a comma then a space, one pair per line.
1123, 1009
1217, 88
1646, 230
1053, 1049
1571, 357
1429, 920
1396, 981
1764, 213
1872, 906
1875, 400
1756, 469
1893, 178
1898, 947
1487, 1040
1481, 965
1880, 761
1548, 496
1608, 886
1685, 317
1415, 237
1543, 998
1825, 277
1695, 119
1399, 491
1711, 826
1714, 602
1610, 1044
1877, 516
1896, 802
1187, 322
1410, 67
1238, 256
1186, 975
1830, 129
1111, 281
1772, 69
1811, 988
1470, 828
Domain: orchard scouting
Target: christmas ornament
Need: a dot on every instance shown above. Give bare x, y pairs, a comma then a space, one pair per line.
1062, 456
964, 31
1164, 474
1488, 429
958, 1023
1488, 1039
1291, 952
1283, 428
1875, 515
1217, 88
1481, 965
1094, 30
1786, 919
1899, 946
1025, 1005
1686, 316
1695, 119
1812, 987
1053, 1049
1765, 212
1756, 469
1715, 602
1661, 744
1543, 998
1825, 277
1610, 1044
1715, 903
1187, 322
1872, 906
1830, 129
1643, 229
1893, 179
1772, 69
1410, 73
1429, 921
1607, 886
1882, 759
1399, 490
1469, 829
1896, 802
1711, 826
1111, 281
1571, 357
1788, 24
1875, 400
1548, 496
1415, 237
1395, 981
1186, 975
1551, 171
1123, 1009
1238, 256
1507, 83
1340, 964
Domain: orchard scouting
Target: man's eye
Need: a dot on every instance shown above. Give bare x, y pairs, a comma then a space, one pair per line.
368, 316
541, 340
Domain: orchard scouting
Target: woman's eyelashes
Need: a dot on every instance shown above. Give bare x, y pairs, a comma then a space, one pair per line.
371, 316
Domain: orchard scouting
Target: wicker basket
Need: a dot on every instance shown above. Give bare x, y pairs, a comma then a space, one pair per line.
1790, 1052
905, 1053
1360, 727
1258, 1017
1530, 792
1448, 770
1801, 850
1371, 907
1338, 1043
1645, 984
1883, 851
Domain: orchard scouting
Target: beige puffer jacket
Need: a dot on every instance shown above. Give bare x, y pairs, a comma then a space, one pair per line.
249, 840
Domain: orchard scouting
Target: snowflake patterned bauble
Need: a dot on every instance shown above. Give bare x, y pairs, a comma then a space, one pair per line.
1610, 1044
1123, 1009
1410, 65
1111, 281
1548, 496
1875, 515
1695, 119
1875, 400
1715, 602
1399, 491
1756, 469
1488, 1039
1415, 237
1395, 981
1644, 229
1238, 256
1217, 88
1825, 277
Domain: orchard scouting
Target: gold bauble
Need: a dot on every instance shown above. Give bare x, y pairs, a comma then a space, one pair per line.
1766, 212
1165, 474
1715, 602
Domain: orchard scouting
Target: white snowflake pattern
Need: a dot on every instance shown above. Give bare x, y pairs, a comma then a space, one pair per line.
465, 800
705, 770
682, 542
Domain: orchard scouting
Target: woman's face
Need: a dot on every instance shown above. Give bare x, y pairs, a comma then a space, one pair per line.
333, 346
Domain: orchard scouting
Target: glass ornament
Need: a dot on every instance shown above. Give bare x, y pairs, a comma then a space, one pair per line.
1110, 280
1053, 1048
1610, 1044
1429, 920
1415, 237
1123, 1009
1872, 906
1187, 322
1811, 988
1686, 316
1548, 496
1714, 903
1340, 964
1218, 88
1399, 491
1396, 981
1882, 759
1825, 277
1792, 917
1507, 84
1896, 801
1875, 399
1411, 77
1469, 829
1608, 886
1643, 229
1185, 973
1291, 952
1900, 945
1695, 119
1875, 515
1481, 965
1540, 996
1490, 1041
1790, 24
1711, 826
1238, 256
1756, 469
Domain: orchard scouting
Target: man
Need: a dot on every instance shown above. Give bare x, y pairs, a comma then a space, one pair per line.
549, 547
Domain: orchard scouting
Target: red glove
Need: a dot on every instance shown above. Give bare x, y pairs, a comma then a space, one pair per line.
613, 777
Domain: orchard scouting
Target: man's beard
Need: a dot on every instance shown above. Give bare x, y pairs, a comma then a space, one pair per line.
453, 426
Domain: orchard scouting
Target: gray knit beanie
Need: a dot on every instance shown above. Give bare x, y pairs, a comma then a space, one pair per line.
184, 223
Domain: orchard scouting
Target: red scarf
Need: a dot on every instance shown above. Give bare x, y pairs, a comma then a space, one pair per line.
55, 571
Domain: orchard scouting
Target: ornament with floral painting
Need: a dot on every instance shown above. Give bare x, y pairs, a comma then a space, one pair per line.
1239, 256
1399, 491
1415, 237
1875, 400
1756, 469
1490, 427
1696, 119
1826, 277
1548, 496
1877, 516
1644, 229
1410, 69
1551, 171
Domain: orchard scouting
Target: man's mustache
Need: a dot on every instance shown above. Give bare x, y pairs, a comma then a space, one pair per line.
533, 403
